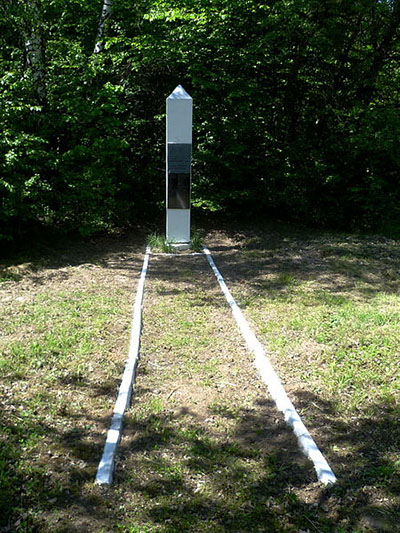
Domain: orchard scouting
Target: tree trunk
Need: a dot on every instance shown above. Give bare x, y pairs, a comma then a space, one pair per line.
105, 14
34, 59
34, 50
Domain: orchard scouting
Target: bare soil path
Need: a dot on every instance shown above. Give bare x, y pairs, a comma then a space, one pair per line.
205, 449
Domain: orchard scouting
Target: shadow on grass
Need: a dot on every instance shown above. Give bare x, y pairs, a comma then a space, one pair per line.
366, 448
255, 480
194, 481
44, 466
109, 251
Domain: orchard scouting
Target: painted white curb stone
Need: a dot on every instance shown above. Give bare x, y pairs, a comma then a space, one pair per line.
271, 379
166, 254
105, 469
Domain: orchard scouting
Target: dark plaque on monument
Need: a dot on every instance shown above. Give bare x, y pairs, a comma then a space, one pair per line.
179, 156
178, 191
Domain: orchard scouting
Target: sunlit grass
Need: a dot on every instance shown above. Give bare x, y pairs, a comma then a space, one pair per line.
49, 341
55, 332
158, 243
356, 344
352, 333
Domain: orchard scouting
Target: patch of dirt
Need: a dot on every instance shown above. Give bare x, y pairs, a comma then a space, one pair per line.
212, 425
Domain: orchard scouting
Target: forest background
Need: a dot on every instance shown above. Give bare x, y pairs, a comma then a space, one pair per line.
296, 110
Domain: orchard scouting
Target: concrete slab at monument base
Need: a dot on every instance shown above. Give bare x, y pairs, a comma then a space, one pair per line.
178, 226
180, 245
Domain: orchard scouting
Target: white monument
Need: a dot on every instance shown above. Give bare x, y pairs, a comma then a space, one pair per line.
178, 156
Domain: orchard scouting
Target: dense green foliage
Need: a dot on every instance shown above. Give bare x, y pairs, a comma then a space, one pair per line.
296, 109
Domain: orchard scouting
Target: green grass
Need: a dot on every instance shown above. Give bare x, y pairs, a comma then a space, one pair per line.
49, 345
331, 328
197, 240
192, 458
356, 345
158, 243
9, 276
64, 329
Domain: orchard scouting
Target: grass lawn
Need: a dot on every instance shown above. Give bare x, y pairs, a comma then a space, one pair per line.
204, 448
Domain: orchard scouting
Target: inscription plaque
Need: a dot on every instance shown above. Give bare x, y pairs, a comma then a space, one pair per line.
179, 156
178, 190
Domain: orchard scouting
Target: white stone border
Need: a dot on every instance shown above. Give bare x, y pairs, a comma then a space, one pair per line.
271, 379
168, 254
105, 469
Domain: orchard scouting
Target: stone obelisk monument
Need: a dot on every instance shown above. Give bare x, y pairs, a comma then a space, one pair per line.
179, 155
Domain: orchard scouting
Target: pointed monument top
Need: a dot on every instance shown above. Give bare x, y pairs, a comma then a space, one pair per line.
179, 93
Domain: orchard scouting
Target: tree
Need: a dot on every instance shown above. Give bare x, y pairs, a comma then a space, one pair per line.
296, 109
34, 47
105, 15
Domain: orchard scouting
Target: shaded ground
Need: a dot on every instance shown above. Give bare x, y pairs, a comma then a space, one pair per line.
203, 449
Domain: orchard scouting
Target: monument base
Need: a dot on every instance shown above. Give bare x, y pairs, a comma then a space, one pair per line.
180, 245
178, 226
